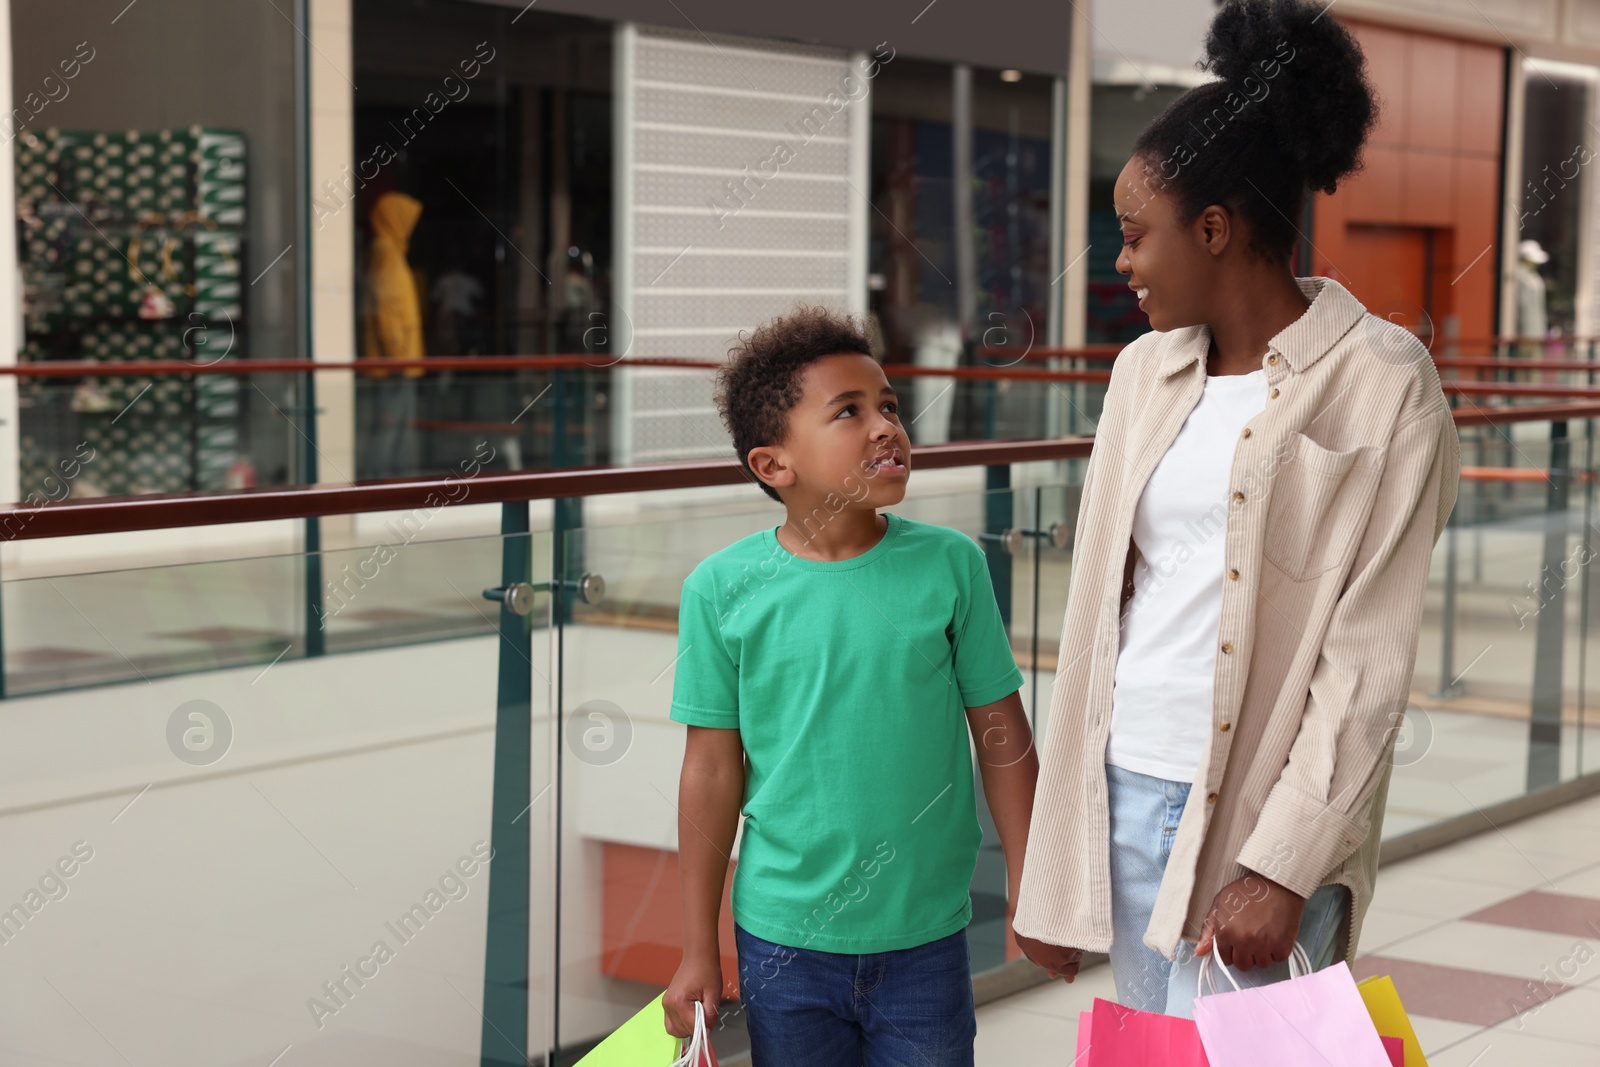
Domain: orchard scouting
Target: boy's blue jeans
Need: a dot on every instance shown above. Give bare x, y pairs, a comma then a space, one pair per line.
1144, 822
909, 1008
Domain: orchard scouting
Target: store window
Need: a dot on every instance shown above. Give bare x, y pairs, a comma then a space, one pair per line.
1120, 114
961, 241
1557, 147
155, 195
489, 195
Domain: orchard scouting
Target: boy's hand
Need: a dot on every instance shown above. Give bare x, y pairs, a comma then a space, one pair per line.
1057, 961
697, 979
1253, 923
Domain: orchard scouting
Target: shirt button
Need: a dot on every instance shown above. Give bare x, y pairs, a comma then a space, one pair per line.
1224, 727
1273, 359
1211, 799
1273, 394
1238, 497
1233, 573
1227, 647
1246, 432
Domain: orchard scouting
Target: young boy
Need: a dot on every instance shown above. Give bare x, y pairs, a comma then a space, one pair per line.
845, 655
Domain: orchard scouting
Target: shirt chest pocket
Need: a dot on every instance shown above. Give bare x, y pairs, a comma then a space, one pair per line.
1319, 503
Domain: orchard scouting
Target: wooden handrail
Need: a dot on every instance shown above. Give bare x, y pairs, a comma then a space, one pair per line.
1482, 342
1517, 474
71, 517
1487, 363
1495, 414
1464, 388
433, 365
1005, 362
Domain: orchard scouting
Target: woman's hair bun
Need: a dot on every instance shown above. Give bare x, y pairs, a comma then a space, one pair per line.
1310, 89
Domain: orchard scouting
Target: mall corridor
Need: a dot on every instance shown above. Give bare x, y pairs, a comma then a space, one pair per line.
493, 492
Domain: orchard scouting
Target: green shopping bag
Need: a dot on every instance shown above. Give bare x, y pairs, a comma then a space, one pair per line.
643, 1041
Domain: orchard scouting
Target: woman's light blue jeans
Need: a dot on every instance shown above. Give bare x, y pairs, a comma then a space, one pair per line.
1144, 822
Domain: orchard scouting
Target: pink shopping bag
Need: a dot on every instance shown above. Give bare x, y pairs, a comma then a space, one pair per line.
1114, 1036
1315, 1019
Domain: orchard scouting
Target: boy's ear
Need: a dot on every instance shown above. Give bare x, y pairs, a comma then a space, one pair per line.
771, 466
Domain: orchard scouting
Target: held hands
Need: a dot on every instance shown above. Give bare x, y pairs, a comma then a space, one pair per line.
697, 979
1253, 923
1056, 961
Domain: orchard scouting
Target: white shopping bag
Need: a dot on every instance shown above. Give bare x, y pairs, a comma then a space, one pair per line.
697, 1050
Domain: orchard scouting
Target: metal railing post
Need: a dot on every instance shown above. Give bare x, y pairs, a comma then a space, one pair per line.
505, 960
316, 637
997, 518
1544, 723
2, 642
1448, 686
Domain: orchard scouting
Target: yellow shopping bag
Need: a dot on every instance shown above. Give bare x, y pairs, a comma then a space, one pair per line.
642, 1041
1389, 1015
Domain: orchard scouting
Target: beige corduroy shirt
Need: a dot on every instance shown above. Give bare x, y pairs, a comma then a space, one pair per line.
1339, 489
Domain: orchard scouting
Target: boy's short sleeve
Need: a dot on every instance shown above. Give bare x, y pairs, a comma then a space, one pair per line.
705, 687
986, 668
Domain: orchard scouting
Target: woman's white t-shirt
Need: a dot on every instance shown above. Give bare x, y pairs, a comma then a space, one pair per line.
1161, 700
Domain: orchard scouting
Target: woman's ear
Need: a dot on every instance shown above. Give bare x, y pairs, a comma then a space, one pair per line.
771, 466
1216, 228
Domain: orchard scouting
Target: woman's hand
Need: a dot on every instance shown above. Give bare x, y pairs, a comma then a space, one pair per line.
1253, 923
1056, 960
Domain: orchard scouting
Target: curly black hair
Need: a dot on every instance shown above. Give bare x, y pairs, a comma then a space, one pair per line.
1289, 115
760, 383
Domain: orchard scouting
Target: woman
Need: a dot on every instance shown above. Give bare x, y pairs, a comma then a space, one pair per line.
1269, 476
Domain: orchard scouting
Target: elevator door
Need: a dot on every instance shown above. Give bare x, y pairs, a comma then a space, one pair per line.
1390, 269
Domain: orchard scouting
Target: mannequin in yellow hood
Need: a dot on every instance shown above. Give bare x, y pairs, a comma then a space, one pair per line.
391, 314
391, 328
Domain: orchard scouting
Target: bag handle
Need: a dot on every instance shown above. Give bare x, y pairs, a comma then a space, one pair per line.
694, 1049
1299, 967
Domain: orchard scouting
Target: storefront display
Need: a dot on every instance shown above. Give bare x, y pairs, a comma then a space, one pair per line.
132, 248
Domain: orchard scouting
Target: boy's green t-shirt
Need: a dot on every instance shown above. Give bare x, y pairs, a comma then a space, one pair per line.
848, 683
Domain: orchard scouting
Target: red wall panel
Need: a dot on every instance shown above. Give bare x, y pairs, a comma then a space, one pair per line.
1433, 162
641, 919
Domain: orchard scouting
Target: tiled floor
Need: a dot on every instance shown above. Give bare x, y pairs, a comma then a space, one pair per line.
1493, 944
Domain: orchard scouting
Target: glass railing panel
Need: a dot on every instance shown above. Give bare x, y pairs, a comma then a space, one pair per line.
123, 434
524, 419
205, 616
118, 434
135, 626
216, 857
937, 408
1493, 710
1581, 676
1058, 513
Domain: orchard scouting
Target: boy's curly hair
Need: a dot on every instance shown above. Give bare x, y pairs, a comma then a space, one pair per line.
760, 383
